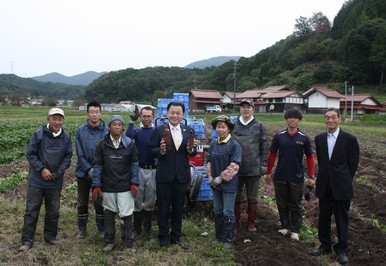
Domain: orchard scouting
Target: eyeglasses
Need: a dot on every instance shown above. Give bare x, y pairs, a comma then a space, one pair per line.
147, 116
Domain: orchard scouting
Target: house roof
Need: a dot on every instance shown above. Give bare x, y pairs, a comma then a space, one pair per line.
208, 94
325, 91
282, 94
230, 94
249, 94
275, 88
360, 98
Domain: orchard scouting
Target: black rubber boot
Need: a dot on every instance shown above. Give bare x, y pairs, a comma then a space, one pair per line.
219, 227
137, 224
100, 223
147, 219
109, 227
82, 225
126, 231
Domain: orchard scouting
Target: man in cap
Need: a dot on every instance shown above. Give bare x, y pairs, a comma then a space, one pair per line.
86, 138
115, 172
49, 155
251, 135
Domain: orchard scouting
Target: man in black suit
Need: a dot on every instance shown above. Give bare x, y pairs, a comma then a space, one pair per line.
170, 144
338, 158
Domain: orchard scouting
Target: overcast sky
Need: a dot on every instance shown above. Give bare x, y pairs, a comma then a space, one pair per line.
74, 36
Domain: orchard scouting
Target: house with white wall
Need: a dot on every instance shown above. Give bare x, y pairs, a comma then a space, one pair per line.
318, 99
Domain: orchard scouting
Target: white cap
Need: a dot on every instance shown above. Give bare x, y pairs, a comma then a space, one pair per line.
56, 111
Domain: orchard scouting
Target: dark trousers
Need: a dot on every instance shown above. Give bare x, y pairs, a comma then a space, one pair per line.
340, 208
251, 187
84, 187
289, 204
34, 202
170, 194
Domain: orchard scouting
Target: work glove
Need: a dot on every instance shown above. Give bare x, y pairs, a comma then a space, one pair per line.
57, 175
216, 181
134, 190
134, 115
96, 193
89, 173
307, 194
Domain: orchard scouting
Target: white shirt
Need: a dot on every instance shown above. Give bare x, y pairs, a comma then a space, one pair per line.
115, 142
331, 139
178, 131
242, 120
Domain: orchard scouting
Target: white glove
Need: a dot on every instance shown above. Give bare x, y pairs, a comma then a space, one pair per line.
217, 181
89, 173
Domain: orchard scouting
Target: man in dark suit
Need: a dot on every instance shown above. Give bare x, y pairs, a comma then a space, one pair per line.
170, 144
338, 158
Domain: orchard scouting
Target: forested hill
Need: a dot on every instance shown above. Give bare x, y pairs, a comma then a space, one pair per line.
352, 50
18, 89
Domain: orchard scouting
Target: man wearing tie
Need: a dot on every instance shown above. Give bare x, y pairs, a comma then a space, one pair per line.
338, 157
173, 172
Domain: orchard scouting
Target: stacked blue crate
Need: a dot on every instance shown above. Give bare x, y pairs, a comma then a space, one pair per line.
198, 126
182, 97
205, 192
162, 106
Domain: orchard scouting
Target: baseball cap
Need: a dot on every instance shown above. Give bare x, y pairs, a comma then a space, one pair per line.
248, 101
56, 111
115, 118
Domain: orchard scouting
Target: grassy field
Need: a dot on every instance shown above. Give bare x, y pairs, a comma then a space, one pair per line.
198, 227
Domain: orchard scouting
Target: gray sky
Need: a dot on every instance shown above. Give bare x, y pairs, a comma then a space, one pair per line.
74, 36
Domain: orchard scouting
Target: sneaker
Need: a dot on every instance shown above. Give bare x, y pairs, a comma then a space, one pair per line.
227, 245
53, 242
216, 242
101, 234
251, 227
81, 233
284, 232
130, 250
108, 247
25, 247
295, 236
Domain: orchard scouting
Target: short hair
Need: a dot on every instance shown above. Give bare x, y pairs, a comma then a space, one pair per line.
94, 104
148, 108
332, 109
176, 104
293, 113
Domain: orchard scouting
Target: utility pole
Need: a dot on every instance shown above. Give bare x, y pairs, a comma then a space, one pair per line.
345, 100
352, 102
234, 84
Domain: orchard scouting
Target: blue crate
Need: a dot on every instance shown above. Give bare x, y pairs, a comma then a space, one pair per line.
163, 102
205, 191
181, 97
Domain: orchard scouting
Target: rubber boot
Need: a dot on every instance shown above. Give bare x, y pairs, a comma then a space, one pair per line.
252, 217
82, 225
109, 236
237, 216
126, 231
137, 224
219, 227
147, 217
100, 223
229, 231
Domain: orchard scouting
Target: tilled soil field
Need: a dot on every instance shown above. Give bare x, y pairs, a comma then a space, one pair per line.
367, 230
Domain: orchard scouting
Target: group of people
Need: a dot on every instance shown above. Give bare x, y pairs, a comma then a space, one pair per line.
128, 173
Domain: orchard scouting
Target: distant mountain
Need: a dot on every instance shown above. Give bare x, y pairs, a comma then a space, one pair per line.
11, 84
214, 61
80, 79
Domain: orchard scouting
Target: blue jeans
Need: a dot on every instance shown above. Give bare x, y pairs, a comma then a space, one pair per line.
35, 198
224, 203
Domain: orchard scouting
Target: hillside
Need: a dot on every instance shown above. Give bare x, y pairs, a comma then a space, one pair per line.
21, 88
83, 79
214, 61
